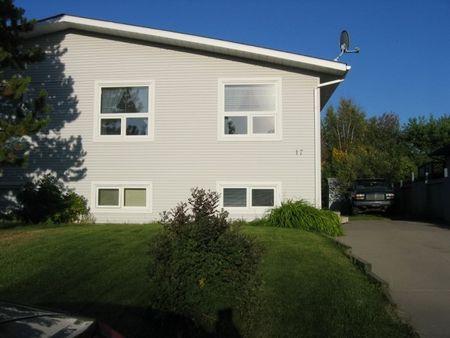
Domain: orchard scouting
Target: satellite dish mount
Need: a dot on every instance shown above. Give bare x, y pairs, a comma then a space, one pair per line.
345, 45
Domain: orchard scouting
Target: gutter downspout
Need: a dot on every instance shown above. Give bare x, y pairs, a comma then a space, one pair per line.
318, 162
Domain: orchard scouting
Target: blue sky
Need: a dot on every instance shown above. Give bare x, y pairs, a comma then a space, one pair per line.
403, 67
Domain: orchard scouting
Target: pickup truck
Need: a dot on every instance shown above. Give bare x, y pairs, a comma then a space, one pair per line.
373, 194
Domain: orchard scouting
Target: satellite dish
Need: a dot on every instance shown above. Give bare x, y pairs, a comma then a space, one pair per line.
345, 45
345, 41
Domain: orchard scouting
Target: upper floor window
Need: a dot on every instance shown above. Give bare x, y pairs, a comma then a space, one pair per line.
250, 110
124, 111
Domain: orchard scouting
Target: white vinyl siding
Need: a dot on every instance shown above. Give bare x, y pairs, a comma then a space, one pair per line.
184, 96
249, 109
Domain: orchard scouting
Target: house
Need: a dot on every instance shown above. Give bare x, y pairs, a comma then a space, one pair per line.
140, 116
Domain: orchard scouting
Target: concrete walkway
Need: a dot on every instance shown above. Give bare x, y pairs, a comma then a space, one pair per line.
414, 258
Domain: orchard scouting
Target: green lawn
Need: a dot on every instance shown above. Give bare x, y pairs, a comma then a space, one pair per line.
310, 288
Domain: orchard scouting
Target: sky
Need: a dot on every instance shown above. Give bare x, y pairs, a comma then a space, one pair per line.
403, 66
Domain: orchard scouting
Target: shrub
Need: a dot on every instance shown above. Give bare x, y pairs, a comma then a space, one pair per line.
46, 200
299, 214
200, 264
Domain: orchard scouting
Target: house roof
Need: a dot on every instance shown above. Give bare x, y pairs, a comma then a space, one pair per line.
63, 22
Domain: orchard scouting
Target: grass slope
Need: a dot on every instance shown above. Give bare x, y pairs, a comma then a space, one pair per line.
310, 289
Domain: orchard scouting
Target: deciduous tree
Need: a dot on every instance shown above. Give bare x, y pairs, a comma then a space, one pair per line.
358, 147
424, 135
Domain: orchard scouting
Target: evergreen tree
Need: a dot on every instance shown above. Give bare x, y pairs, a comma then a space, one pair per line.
22, 114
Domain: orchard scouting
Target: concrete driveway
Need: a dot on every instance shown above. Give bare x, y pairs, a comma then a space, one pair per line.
414, 258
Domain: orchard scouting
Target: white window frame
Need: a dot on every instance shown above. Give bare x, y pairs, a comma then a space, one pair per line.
121, 186
249, 186
108, 206
250, 136
150, 115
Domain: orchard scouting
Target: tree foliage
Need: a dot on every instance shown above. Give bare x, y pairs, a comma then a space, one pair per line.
355, 146
21, 113
344, 128
424, 135
48, 201
200, 263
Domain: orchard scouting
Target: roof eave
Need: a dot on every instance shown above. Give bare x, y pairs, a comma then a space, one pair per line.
64, 22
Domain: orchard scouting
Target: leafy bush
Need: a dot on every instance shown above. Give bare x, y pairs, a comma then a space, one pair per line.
299, 214
201, 264
46, 200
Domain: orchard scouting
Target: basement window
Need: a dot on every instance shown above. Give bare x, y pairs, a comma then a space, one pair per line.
126, 196
248, 196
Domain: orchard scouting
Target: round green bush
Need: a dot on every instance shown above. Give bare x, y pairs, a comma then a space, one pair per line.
47, 200
299, 214
200, 264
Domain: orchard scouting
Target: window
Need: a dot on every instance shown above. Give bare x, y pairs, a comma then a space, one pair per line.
108, 197
235, 197
126, 196
249, 110
248, 196
134, 197
263, 197
124, 111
